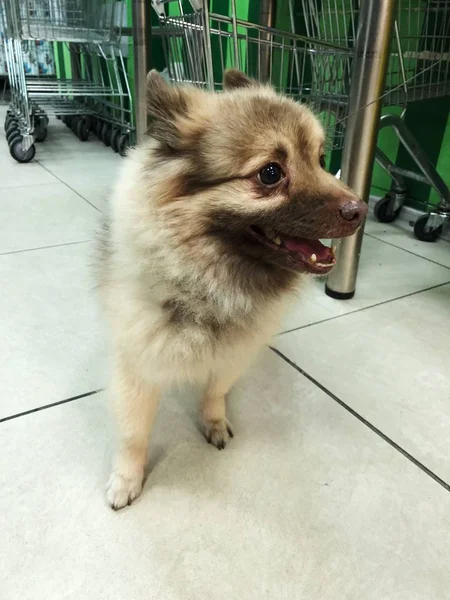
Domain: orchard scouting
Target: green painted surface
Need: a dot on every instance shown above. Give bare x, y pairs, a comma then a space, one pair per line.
388, 143
443, 162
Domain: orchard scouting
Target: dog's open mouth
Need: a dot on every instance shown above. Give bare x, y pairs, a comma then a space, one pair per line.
302, 253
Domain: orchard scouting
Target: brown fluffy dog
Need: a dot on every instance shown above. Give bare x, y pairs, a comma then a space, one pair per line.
215, 219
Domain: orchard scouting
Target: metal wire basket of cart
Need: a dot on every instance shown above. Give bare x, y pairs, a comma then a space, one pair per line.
92, 90
200, 45
316, 67
418, 69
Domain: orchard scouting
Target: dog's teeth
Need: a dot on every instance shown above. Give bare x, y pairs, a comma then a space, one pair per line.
333, 251
270, 233
313, 258
277, 241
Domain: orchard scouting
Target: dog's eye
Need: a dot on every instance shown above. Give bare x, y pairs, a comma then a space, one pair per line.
270, 174
322, 162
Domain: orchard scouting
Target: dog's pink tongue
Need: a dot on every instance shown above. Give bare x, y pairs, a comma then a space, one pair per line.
307, 247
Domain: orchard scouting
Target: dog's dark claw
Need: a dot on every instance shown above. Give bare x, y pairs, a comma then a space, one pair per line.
218, 433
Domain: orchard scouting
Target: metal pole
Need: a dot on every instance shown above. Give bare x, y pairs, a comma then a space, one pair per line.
375, 26
208, 48
141, 49
267, 10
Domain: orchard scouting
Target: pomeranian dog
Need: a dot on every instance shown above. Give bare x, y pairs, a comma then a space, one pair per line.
214, 220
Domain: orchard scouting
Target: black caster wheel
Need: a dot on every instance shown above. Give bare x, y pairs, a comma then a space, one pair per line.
16, 151
123, 144
40, 128
115, 135
8, 116
9, 119
98, 128
73, 124
106, 134
92, 123
41, 134
424, 233
12, 133
82, 129
382, 212
12, 125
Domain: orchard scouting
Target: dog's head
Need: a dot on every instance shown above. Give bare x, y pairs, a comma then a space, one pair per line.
250, 185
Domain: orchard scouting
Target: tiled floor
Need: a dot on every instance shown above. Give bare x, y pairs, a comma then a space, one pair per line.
336, 485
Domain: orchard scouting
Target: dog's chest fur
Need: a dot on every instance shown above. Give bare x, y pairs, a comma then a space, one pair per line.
174, 314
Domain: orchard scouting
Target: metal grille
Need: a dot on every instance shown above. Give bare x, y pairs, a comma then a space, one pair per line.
200, 46
314, 67
419, 65
94, 88
62, 20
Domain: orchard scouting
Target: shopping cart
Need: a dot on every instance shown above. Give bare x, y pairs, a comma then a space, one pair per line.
91, 91
200, 45
418, 69
316, 67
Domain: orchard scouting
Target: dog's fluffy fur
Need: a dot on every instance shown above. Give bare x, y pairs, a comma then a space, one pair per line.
191, 287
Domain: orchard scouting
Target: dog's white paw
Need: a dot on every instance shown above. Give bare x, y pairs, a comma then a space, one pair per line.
218, 432
121, 491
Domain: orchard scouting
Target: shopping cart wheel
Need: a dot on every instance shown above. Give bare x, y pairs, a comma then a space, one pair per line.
382, 212
16, 151
106, 134
12, 133
41, 134
98, 128
425, 233
13, 124
10, 119
73, 124
123, 143
82, 129
40, 128
115, 135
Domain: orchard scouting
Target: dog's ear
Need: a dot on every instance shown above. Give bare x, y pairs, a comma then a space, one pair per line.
234, 79
168, 106
164, 101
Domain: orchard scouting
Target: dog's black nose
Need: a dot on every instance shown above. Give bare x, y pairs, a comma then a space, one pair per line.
354, 210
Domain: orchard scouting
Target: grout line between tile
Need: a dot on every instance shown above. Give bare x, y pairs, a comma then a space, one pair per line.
364, 421
374, 237
70, 188
39, 408
357, 310
44, 247
28, 185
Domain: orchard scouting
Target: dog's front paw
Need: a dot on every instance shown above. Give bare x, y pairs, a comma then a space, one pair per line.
218, 432
121, 491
